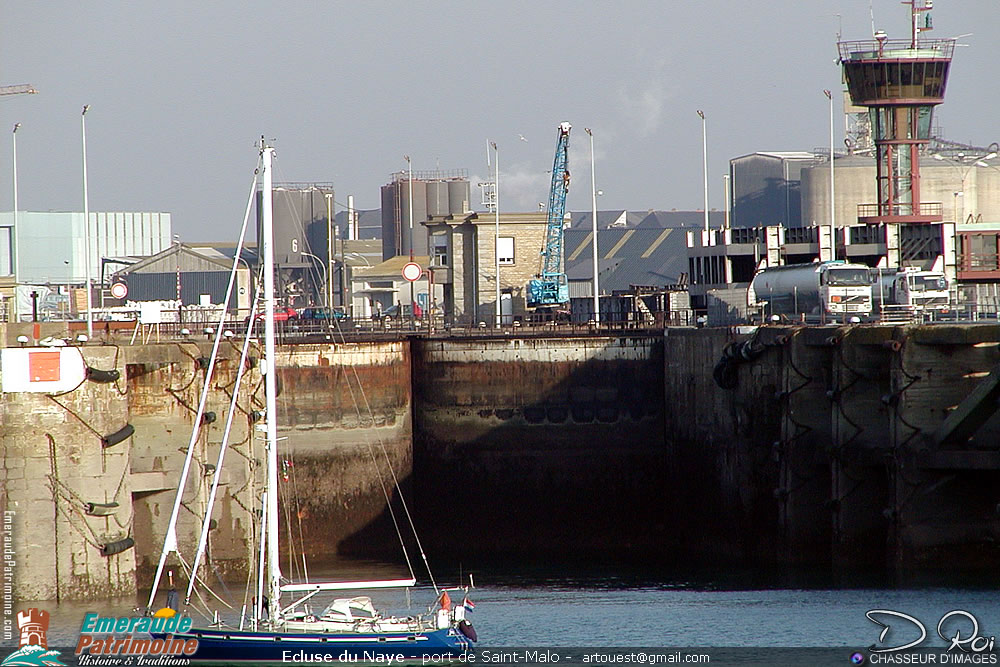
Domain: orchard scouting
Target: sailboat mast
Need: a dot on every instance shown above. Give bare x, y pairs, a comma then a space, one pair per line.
270, 385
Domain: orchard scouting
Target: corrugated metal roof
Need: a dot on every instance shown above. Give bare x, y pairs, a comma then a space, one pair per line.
629, 257
679, 219
617, 246
605, 219
182, 257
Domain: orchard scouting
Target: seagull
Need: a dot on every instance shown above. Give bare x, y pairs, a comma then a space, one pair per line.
521, 137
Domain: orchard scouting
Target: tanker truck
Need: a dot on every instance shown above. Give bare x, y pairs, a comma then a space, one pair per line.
818, 291
910, 288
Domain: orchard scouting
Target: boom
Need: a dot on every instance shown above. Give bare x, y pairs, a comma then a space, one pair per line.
551, 288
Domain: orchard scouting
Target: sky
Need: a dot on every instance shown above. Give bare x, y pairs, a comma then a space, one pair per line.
179, 91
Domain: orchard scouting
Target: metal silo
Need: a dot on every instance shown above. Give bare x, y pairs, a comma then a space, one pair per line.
458, 196
437, 198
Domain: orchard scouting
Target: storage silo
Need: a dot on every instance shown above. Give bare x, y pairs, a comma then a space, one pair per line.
458, 196
437, 198
434, 193
300, 240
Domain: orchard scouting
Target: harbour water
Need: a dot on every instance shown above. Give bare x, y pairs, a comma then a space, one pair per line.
557, 608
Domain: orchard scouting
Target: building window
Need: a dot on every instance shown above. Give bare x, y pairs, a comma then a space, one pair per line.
440, 244
506, 250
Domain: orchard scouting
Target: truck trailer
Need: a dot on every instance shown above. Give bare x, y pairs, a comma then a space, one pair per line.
910, 288
819, 290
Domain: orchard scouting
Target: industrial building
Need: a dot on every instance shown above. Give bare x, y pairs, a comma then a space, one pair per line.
187, 275
45, 253
432, 193
304, 237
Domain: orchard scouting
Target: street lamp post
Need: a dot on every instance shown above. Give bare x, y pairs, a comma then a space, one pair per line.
833, 222
329, 251
977, 161
409, 192
17, 259
86, 224
704, 163
496, 229
319, 263
729, 206
593, 209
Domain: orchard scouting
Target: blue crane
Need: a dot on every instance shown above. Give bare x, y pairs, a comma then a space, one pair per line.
551, 288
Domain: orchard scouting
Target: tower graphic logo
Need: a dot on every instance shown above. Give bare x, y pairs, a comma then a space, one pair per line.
32, 624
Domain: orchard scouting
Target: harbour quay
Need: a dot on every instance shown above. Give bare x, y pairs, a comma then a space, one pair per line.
852, 447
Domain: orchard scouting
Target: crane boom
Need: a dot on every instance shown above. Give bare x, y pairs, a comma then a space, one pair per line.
551, 288
20, 89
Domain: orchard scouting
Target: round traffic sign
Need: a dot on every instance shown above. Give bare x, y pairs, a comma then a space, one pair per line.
119, 290
412, 271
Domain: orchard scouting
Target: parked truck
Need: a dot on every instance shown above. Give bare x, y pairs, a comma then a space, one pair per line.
820, 290
910, 288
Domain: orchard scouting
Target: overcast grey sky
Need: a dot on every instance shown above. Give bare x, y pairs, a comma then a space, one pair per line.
179, 90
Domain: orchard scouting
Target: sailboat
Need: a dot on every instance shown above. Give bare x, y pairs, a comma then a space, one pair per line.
348, 629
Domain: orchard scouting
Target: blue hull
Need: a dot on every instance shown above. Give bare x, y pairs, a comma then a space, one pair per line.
220, 646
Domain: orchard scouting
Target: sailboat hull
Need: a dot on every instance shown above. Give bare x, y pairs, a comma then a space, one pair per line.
234, 647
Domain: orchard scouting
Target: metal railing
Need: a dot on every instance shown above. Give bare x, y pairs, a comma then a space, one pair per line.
871, 49
900, 208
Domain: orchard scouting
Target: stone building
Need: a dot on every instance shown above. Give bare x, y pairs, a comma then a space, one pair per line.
464, 265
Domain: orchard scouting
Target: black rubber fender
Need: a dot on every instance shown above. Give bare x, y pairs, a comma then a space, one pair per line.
466, 629
112, 548
102, 376
119, 435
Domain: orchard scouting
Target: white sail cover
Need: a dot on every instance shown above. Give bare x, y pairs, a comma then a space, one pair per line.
347, 585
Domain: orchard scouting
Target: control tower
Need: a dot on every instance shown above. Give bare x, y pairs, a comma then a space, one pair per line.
900, 82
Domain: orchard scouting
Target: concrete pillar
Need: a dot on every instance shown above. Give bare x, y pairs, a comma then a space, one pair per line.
892, 257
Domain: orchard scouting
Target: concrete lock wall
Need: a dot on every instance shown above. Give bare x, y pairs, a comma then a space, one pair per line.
540, 446
345, 413
53, 464
856, 474
719, 444
165, 384
850, 446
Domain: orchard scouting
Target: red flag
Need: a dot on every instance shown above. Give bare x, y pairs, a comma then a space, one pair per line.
445, 601
467, 603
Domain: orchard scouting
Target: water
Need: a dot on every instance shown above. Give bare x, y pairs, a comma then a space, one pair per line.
551, 607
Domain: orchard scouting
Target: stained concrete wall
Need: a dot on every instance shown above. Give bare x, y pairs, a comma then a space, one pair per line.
824, 451
345, 414
821, 450
165, 383
540, 446
720, 446
53, 462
